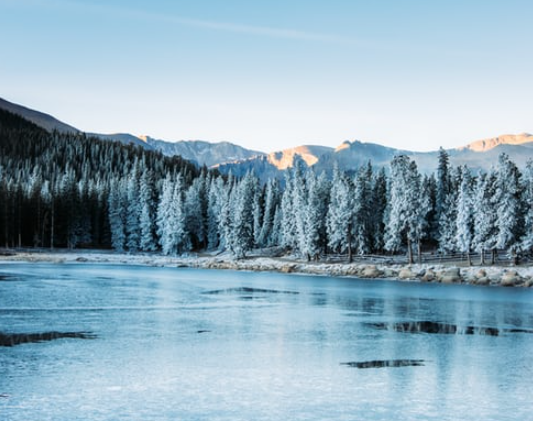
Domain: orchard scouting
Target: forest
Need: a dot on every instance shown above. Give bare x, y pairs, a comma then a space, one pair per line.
65, 190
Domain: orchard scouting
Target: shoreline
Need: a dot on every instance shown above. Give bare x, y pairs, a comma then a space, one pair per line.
521, 276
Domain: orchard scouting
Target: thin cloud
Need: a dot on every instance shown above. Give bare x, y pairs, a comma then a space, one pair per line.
122, 12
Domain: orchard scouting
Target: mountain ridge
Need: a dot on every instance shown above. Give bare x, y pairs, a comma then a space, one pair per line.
348, 156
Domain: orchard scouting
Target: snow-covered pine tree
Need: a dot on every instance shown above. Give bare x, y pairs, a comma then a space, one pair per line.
404, 213
117, 215
484, 214
242, 236
270, 205
214, 207
509, 220
465, 215
258, 206
378, 207
148, 211
288, 218
133, 209
339, 220
362, 202
226, 195
526, 241
195, 211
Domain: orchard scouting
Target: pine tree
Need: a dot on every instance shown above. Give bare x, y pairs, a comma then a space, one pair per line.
378, 208
340, 214
270, 206
484, 214
288, 220
133, 210
509, 219
117, 216
148, 211
526, 241
241, 237
465, 215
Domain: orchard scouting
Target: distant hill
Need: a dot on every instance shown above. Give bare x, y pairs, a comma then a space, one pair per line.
202, 152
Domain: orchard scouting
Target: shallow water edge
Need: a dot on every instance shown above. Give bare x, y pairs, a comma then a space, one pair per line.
521, 276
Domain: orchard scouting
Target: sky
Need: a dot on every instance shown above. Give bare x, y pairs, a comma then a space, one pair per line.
269, 75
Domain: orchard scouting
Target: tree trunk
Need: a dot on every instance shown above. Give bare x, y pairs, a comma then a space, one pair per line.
350, 253
469, 258
419, 251
409, 251
482, 256
493, 256
52, 229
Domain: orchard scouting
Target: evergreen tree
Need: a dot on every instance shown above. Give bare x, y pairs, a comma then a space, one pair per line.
147, 217
484, 214
133, 210
465, 215
526, 241
509, 219
340, 214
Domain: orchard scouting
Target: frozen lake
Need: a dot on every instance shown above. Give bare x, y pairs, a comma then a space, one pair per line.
186, 344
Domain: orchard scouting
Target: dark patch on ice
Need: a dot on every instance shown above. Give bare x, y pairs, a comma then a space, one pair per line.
203, 331
444, 328
248, 290
516, 330
8, 278
384, 363
12, 339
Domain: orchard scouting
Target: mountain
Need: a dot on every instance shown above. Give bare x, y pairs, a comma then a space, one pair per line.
348, 156
43, 120
508, 139
201, 152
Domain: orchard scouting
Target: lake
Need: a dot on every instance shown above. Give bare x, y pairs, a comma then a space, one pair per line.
110, 342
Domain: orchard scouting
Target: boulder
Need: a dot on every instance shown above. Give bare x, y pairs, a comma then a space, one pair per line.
370, 271
482, 281
389, 273
429, 276
406, 273
450, 276
482, 273
510, 278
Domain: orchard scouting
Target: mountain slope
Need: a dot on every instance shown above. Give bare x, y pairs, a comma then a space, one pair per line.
485, 145
43, 120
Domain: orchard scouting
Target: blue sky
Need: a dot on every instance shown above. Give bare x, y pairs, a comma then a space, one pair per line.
274, 74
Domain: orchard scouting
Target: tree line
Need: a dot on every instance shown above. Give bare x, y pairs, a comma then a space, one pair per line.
60, 190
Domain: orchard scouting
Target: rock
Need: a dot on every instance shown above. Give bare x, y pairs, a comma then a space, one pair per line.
406, 273
389, 273
482, 273
450, 276
370, 271
82, 259
429, 276
482, 281
287, 269
510, 278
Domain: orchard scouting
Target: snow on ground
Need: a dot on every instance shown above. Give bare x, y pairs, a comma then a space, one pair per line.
264, 260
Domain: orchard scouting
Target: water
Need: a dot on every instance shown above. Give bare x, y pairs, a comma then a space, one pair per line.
186, 344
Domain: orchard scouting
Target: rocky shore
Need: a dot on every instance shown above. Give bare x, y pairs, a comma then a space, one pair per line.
520, 276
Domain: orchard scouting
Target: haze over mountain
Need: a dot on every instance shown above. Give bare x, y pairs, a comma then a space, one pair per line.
349, 155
